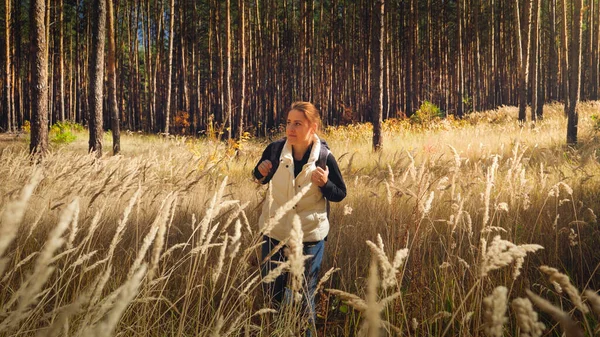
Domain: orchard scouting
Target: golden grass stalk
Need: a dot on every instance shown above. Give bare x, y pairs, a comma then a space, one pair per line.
221, 260
273, 274
159, 242
388, 269
27, 294
495, 312
527, 318
569, 327
18, 265
326, 278
121, 226
501, 253
161, 219
63, 314
13, 213
234, 246
264, 311
216, 331
283, 210
295, 258
594, 299
490, 177
127, 293
563, 281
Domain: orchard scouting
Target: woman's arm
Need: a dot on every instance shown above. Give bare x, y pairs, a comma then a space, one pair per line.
262, 165
335, 188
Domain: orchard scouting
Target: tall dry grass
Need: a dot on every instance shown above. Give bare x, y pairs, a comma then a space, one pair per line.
444, 233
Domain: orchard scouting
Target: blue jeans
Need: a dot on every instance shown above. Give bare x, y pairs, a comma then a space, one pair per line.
276, 290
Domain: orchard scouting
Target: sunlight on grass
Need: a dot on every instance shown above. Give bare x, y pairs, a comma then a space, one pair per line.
449, 231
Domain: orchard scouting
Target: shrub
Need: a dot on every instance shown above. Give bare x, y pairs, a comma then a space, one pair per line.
427, 113
63, 132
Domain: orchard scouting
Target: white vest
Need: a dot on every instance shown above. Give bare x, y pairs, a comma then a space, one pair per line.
312, 207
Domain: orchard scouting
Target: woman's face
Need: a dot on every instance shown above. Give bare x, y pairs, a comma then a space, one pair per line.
299, 129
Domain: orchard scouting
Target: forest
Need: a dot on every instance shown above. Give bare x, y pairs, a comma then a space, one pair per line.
187, 66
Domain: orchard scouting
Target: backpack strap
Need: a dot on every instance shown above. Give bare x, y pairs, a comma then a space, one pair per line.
322, 160
322, 163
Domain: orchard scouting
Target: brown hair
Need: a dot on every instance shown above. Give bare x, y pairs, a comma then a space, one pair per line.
310, 112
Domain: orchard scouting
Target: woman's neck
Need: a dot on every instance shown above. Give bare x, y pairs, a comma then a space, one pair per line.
298, 151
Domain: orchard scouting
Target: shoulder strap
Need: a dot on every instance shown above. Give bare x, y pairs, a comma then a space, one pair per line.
322, 161
275, 153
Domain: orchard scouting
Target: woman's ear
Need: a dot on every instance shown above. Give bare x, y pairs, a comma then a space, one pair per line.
314, 127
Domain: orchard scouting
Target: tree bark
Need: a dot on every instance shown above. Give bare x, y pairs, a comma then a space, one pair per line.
243, 70
8, 107
523, 57
170, 66
39, 86
229, 128
112, 80
96, 85
61, 61
565, 57
574, 73
378, 47
535, 63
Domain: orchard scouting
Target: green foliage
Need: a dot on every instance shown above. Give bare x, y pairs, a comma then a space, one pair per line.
595, 122
427, 113
64, 132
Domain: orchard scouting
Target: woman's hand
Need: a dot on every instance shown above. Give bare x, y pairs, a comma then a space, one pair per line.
319, 176
265, 167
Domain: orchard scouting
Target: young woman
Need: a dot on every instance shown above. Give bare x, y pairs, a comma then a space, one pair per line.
290, 164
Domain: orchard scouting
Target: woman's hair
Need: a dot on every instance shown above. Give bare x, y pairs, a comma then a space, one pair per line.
310, 112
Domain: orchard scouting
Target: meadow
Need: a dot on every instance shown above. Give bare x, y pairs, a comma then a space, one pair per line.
477, 227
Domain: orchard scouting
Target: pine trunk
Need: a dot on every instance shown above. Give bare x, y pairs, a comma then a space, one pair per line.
170, 66
39, 89
8, 108
243, 70
535, 61
112, 80
574, 73
378, 48
96, 85
229, 128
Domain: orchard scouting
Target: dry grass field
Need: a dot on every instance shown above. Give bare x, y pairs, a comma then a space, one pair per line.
480, 227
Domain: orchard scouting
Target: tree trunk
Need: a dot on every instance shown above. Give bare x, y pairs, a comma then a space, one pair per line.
535, 62
96, 86
523, 57
243, 70
378, 47
229, 128
61, 61
8, 107
112, 80
565, 57
39, 86
574, 73
553, 60
461, 64
170, 66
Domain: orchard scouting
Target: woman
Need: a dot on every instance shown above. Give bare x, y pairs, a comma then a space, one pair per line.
290, 164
